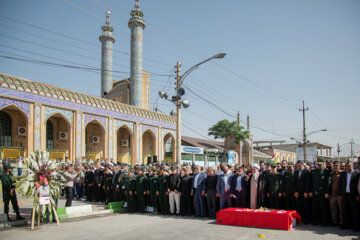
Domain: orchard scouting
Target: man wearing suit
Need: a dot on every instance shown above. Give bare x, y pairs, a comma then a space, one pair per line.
349, 197
198, 189
223, 188
186, 203
239, 188
302, 187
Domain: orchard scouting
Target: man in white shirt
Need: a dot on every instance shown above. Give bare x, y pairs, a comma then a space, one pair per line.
19, 163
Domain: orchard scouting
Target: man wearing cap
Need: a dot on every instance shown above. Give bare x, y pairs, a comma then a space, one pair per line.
130, 188
141, 189
163, 192
274, 187
321, 182
8, 192
154, 187
302, 187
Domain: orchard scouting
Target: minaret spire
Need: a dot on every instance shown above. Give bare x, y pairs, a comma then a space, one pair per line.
136, 24
107, 41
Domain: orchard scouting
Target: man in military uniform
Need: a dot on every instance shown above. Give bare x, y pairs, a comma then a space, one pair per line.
321, 182
288, 193
274, 187
130, 188
154, 188
141, 189
163, 192
107, 184
8, 191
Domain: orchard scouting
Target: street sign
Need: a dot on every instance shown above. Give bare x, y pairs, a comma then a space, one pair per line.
192, 150
311, 154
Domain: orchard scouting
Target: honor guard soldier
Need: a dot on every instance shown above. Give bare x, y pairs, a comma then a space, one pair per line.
141, 189
130, 188
163, 192
320, 192
274, 187
154, 189
8, 192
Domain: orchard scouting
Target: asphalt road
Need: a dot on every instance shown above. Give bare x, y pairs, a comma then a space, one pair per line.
137, 226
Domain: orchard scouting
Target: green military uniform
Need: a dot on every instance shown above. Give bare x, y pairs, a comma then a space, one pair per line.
163, 197
289, 199
274, 186
154, 187
7, 186
107, 185
130, 188
321, 182
141, 188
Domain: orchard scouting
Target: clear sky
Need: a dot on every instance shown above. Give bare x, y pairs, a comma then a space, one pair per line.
279, 53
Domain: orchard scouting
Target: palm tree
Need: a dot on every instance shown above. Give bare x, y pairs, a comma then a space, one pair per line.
225, 128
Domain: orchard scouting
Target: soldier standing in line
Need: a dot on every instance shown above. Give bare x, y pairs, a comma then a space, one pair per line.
8, 191
130, 188
107, 184
141, 189
321, 182
274, 187
154, 188
163, 193
288, 194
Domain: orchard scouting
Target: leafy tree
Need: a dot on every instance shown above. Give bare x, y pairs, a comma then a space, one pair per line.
225, 128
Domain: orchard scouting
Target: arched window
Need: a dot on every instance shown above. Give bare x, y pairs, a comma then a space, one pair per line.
5, 129
49, 135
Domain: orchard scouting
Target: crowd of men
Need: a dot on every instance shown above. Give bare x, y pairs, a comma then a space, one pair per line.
322, 193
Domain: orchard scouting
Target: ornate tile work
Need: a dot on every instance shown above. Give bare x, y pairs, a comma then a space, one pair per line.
88, 118
80, 107
161, 143
136, 70
151, 128
50, 111
119, 123
78, 135
137, 144
166, 131
111, 134
37, 128
25, 107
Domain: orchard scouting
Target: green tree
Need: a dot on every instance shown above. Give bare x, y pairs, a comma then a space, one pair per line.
225, 128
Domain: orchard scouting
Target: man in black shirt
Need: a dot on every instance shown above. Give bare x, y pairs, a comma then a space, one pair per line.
89, 184
173, 189
186, 201
210, 192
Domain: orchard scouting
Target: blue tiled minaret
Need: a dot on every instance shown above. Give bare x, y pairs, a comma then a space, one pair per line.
136, 24
107, 41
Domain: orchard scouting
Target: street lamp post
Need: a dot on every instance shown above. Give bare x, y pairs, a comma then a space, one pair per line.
185, 103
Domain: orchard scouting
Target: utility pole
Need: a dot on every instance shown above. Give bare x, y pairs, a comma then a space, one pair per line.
351, 151
338, 151
304, 129
238, 118
178, 116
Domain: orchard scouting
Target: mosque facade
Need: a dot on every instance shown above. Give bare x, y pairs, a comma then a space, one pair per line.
117, 126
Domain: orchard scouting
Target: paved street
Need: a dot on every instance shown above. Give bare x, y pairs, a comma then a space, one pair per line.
136, 226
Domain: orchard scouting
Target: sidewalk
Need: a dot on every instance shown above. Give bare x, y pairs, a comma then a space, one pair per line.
79, 208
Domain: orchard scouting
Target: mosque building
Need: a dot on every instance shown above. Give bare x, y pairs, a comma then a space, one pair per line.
118, 126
